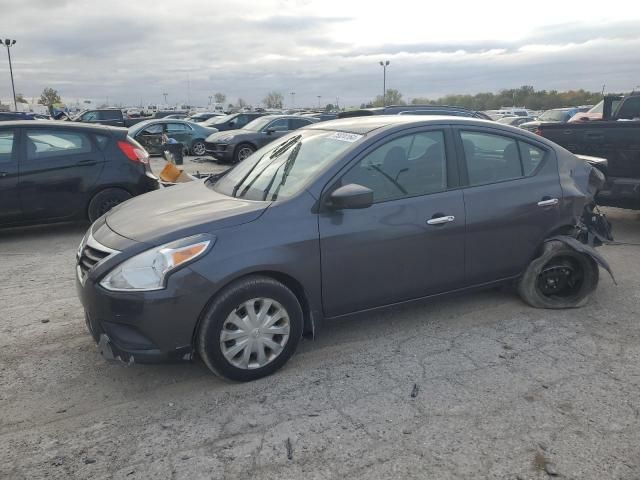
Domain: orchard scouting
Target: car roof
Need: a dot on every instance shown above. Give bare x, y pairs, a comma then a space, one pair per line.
364, 125
58, 124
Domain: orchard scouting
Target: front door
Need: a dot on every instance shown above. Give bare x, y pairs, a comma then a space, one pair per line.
410, 242
151, 138
180, 132
9, 198
512, 201
57, 172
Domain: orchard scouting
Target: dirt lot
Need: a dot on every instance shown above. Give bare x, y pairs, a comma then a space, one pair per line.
478, 386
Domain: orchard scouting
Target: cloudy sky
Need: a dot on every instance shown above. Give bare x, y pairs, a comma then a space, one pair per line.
132, 51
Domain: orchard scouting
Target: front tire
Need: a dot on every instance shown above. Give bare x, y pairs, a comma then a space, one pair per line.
105, 200
198, 148
243, 151
559, 278
250, 329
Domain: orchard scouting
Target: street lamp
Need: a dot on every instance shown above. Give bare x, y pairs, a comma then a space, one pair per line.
319, 97
384, 82
293, 100
10, 43
165, 97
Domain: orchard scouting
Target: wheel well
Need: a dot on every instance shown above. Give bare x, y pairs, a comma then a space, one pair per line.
288, 281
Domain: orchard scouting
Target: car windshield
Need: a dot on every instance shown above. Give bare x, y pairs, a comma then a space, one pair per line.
281, 169
257, 124
554, 116
218, 120
507, 120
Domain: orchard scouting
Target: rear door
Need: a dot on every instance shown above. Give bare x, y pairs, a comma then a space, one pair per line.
512, 201
58, 170
9, 198
151, 138
410, 242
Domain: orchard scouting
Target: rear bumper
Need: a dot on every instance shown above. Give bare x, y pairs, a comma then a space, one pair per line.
620, 192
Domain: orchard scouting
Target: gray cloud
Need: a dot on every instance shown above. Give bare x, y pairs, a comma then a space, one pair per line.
135, 52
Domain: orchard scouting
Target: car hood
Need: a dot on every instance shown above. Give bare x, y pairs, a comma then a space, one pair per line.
180, 210
231, 136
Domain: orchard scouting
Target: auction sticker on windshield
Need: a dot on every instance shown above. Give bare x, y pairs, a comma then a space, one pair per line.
346, 137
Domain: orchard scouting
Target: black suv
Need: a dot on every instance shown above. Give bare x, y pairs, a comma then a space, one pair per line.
59, 171
416, 110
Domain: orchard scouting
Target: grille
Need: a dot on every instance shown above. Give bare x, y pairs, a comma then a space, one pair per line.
91, 254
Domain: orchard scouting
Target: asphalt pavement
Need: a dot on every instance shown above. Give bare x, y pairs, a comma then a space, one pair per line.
473, 386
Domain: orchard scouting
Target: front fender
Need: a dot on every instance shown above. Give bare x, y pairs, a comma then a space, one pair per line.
584, 249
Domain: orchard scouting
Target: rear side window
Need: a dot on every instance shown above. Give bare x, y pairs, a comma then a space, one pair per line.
177, 127
295, 123
111, 115
531, 157
44, 144
6, 145
493, 158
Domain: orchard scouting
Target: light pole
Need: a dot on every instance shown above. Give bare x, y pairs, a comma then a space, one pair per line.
10, 43
165, 97
384, 64
210, 99
293, 100
319, 97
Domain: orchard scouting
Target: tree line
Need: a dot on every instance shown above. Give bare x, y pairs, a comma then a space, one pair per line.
525, 96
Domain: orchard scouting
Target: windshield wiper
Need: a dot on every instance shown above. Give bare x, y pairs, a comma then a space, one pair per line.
274, 155
288, 165
280, 149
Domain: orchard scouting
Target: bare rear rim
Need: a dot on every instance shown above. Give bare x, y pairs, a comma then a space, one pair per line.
244, 152
255, 333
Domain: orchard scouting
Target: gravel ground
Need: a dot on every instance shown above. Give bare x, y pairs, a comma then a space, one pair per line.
476, 386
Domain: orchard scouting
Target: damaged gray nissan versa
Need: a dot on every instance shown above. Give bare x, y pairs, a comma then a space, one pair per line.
333, 219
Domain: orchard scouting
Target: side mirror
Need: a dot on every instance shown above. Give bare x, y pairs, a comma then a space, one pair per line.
351, 196
269, 130
232, 123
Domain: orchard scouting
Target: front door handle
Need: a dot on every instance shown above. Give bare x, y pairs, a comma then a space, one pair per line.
86, 162
548, 202
441, 220
4, 174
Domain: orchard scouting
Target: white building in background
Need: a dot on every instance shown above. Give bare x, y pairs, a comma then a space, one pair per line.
31, 106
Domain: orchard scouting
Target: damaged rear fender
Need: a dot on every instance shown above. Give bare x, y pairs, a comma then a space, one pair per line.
586, 250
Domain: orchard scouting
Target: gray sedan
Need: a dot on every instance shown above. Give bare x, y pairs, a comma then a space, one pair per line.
332, 219
233, 146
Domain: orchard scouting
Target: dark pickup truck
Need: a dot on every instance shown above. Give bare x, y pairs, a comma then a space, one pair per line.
108, 116
616, 138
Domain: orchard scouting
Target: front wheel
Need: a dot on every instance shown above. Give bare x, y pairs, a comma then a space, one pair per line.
105, 200
198, 148
251, 329
559, 278
243, 151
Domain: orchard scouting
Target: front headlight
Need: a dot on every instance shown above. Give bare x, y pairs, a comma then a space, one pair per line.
148, 270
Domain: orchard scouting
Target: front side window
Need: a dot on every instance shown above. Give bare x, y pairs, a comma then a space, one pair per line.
153, 129
494, 158
404, 167
89, 117
6, 146
43, 144
630, 109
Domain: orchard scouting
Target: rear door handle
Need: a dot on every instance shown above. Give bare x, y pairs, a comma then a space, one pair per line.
548, 202
441, 220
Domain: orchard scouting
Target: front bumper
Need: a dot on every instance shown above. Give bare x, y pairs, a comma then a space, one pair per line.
221, 151
143, 327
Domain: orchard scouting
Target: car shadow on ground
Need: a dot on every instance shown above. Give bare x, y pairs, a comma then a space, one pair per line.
44, 230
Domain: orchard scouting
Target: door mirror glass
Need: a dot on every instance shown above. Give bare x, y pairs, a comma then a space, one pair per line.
351, 196
269, 130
